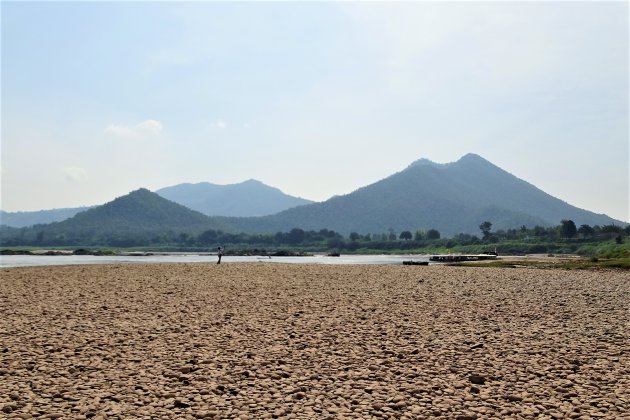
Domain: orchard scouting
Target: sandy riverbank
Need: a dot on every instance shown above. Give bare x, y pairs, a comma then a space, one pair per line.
312, 341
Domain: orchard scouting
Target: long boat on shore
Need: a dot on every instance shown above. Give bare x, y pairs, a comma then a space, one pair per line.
463, 257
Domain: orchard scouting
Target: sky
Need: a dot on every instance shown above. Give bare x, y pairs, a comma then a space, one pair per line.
315, 98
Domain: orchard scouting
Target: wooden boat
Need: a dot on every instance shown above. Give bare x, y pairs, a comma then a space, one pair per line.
415, 262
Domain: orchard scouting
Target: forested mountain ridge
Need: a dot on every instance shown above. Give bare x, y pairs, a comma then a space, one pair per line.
248, 198
30, 218
140, 210
125, 221
453, 198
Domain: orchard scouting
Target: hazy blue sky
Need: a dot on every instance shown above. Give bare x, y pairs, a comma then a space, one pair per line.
317, 99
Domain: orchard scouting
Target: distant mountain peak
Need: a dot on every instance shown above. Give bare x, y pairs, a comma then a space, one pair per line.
467, 158
422, 162
139, 194
247, 198
472, 157
253, 182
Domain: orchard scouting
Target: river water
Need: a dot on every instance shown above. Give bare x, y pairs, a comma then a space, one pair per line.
7, 261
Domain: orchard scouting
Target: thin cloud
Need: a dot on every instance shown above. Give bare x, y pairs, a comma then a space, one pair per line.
119, 131
220, 124
151, 127
74, 173
148, 128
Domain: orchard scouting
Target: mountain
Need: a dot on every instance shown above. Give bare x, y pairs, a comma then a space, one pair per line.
452, 198
249, 198
30, 218
140, 210
126, 221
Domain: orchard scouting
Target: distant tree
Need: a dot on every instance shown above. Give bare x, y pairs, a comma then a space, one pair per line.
568, 228
485, 229
334, 243
352, 246
433, 234
586, 230
279, 237
511, 234
611, 229
619, 239
296, 236
328, 233
500, 234
354, 236
419, 235
466, 239
208, 237
405, 235
392, 236
539, 231
367, 237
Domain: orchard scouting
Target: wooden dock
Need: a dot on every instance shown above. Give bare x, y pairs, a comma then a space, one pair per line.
462, 257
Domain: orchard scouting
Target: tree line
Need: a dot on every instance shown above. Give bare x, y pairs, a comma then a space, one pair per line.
565, 237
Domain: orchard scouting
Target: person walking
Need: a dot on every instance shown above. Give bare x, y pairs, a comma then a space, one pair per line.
219, 254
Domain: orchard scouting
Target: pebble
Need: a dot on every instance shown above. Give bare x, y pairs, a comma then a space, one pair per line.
477, 379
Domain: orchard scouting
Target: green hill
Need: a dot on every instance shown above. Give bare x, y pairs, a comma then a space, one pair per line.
132, 219
140, 210
453, 198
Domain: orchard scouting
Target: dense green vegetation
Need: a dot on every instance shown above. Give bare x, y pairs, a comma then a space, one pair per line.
565, 238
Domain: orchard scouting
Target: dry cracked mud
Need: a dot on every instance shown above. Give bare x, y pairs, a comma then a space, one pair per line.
263, 340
